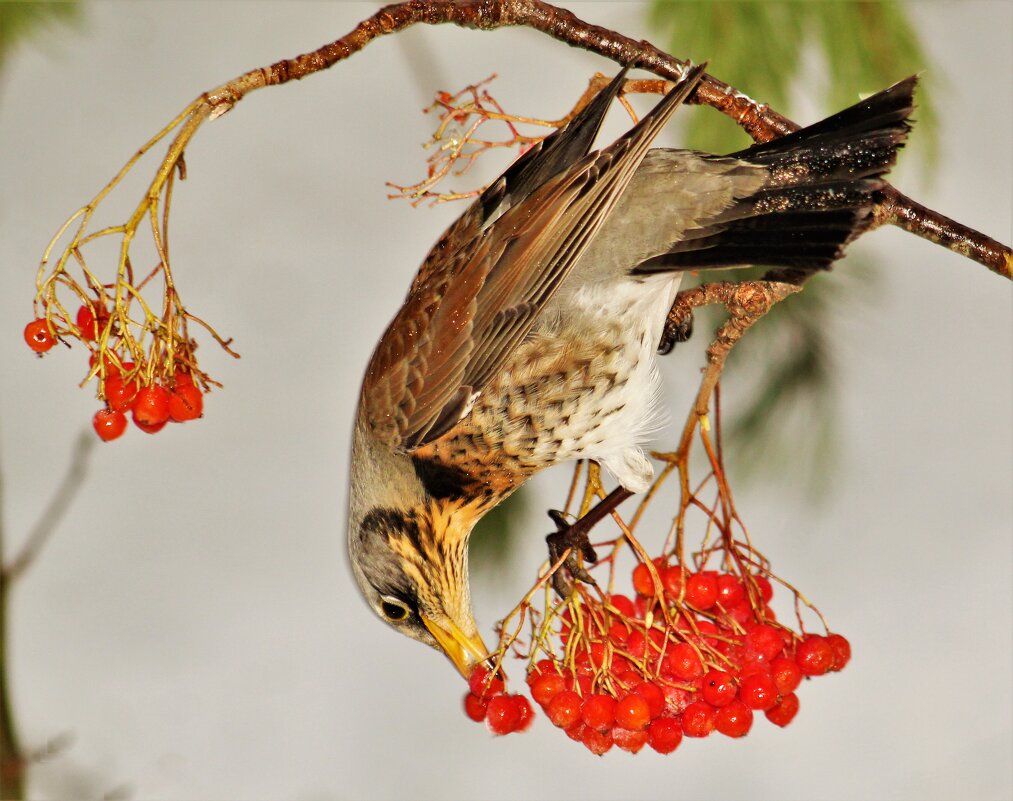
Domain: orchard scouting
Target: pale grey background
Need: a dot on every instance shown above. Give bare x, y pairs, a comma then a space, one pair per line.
193, 623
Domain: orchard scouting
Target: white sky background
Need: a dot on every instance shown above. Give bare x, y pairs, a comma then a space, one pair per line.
193, 623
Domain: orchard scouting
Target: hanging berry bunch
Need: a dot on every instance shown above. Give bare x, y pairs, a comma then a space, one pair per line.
692, 648
134, 327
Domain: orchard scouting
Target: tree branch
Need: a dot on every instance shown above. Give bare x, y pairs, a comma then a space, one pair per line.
758, 120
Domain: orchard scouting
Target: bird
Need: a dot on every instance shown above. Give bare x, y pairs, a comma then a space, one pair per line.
530, 335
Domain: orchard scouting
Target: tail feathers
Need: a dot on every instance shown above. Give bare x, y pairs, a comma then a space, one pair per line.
859, 142
824, 181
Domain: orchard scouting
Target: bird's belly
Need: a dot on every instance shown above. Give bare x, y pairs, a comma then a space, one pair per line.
583, 385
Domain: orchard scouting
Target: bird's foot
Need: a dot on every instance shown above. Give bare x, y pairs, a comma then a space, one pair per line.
678, 328
572, 537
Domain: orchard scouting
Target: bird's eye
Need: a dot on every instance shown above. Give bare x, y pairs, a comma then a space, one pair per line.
394, 610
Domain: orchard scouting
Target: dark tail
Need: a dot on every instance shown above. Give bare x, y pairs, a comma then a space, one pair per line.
824, 182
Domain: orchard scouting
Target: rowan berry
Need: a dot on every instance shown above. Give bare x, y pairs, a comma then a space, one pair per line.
763, 641
502, 715
784, 712
698, 719
717, 688
664, 735
622, 604
109, 424
597, 742
525, 714
841, 649
564, 709
120, 394
547, 687
702, 590
186, 402
786, 674
474, 707
654, 696
599, 711
484, 684
38, 336
151, 406
734, 720
633, 713
814, 655
758, 691
684, 662
627, 740
643, 581
730, 590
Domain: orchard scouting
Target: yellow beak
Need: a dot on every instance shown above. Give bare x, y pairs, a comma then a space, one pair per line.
465, 652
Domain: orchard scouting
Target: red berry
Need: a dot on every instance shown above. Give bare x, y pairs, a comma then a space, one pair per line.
717, 688
547, 687
151, 406
120, 394
623, 605
784, 712
597, 742
633, 713
576, 731
702, 590
627, 740
38, 337
814, 655
766, 590
654, 696
525, 714
483, 684
643, 581
599, 712
684, 662
87, 324
676, 700
502, 714
636, 644
564, 709
664, 735
763, 641
543, 667
109, 424
618, 633
151, 429
734, 720
474, 707
786, 674
758, 691
185, 403
730, 590
698, 719
842, 650
672, 579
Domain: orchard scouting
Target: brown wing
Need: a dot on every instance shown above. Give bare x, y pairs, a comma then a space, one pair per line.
475, 300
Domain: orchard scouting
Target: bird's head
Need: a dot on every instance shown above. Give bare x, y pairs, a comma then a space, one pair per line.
409, 554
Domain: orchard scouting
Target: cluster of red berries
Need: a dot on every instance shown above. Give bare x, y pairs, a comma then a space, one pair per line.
488, 700
693, 653
151, 405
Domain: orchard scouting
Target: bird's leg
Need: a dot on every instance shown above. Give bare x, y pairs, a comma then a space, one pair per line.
575, 538
678, 328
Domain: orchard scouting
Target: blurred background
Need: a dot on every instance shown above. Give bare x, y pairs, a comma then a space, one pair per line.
192, 629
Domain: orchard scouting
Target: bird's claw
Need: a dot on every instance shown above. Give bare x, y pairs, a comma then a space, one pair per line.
676, 330
573, 538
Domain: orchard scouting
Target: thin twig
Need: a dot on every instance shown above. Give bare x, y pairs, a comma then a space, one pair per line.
54, 511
